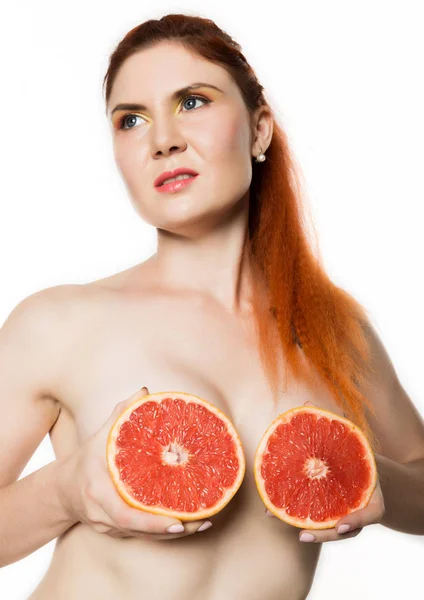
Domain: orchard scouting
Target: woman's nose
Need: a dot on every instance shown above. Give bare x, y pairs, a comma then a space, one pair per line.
166, 138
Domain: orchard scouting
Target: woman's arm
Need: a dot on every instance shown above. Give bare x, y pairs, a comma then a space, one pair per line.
400, 430
403, 491
32, 513
31, 508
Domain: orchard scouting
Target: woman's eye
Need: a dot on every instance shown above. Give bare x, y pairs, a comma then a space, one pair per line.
123, 121
194, 98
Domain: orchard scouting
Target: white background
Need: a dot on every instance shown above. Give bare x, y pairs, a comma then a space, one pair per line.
346, 80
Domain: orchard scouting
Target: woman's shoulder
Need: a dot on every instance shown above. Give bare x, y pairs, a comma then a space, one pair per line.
133, 278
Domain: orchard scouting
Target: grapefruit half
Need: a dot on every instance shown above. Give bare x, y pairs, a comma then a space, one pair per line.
175, 454
313, 467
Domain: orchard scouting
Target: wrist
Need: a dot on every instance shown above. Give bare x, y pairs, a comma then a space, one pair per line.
65, 478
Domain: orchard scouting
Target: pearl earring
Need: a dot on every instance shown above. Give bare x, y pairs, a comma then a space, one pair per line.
261, 157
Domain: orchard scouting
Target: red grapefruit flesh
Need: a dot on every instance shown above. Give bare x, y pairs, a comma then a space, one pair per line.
175, 454
313, 467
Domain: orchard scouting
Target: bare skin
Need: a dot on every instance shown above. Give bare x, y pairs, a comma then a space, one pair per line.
124, 334
180, 321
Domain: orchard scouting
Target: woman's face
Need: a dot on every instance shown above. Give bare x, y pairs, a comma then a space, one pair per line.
211, 135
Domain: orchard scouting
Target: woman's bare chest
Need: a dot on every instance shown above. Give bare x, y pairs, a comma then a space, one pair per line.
119, 346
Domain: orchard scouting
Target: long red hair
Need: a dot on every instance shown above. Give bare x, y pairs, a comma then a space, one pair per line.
304, 308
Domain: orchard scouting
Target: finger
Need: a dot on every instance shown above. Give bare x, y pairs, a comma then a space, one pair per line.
327, 535
189, 529
119, 410
139, 520
369, 515
128, 518
309, 403
125, 517
121, 406
192, 527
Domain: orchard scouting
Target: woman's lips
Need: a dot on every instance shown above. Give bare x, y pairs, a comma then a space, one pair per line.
176, 186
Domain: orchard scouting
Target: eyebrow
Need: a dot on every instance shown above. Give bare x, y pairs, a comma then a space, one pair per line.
175, 96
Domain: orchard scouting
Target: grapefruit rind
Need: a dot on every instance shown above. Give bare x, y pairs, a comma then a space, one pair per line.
159, 510
308, 523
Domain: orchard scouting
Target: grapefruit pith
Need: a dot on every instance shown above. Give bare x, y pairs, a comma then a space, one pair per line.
175, 454
313, 467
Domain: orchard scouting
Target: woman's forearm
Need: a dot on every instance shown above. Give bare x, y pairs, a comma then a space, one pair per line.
403, 491
32, 513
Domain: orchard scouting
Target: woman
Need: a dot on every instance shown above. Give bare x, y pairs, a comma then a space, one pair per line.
235, 307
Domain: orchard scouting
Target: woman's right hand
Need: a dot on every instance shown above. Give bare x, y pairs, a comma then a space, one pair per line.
89, 494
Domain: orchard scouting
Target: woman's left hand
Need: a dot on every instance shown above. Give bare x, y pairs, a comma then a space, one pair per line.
356, 520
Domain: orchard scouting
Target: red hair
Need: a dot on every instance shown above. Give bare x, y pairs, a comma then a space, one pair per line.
303, 307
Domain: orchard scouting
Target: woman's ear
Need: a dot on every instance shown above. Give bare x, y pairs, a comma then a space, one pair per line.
263, 127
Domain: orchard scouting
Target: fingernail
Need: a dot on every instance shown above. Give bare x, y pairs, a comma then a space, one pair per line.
175, 529
205, 525
343, 528
307, 537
